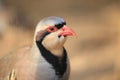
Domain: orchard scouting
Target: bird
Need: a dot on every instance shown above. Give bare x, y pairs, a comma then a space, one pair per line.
45, 59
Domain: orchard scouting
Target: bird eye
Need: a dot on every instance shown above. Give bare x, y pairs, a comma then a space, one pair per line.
52, 29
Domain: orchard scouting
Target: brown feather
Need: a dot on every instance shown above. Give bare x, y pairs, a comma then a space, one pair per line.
39, 34
7, 63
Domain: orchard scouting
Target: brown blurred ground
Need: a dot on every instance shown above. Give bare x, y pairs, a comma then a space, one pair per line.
94, 54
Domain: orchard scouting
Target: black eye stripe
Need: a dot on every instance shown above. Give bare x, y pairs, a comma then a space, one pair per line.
60, 25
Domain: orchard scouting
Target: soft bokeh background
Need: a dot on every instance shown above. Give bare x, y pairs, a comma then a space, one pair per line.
94, 54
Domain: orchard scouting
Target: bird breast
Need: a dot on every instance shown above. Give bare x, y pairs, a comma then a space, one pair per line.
27, 70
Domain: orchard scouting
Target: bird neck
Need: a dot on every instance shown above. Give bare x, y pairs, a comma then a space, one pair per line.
58, 52
35, 55
58, 63
38, 49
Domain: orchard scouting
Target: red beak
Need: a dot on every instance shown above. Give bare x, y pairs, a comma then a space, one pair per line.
67, 32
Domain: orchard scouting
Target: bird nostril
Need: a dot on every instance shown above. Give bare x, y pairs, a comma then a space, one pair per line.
59, 36
65, 36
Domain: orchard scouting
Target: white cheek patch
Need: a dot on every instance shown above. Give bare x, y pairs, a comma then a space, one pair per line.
49, 41
52, 41
54, 44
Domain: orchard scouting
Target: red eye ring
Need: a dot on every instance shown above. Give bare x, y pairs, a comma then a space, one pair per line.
52, 29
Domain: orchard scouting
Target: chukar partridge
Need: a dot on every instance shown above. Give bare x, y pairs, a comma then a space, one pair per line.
46, 59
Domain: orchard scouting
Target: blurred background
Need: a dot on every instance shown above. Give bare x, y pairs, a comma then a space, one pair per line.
94, 54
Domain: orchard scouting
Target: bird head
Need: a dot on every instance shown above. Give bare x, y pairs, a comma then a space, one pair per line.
52, 33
